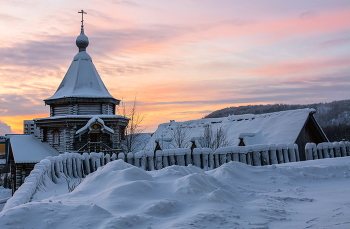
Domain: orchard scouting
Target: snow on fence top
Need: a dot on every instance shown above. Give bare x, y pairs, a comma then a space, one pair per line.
271, 128
327, 150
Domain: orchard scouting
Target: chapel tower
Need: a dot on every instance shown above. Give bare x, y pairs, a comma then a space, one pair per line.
82, 111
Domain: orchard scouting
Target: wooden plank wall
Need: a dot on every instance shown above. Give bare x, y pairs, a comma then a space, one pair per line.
89, 109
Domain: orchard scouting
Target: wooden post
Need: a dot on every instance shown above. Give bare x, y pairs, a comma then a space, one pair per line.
114, 156
228, 154
314, 151
121, 156
325, 150
102, 158
211, 159
144, 161
320, 150
107, 158
64, 164
150, 160
235, 152
331, 149
347, 148
342, 149
243, 157
308, 150
291, 152
180, 156
285, 153
92, 160
159, 159
137, 157
197, 157
280, 157
256, 155
216, 160
265, 155
205, 158
74, 165
337, 152
58, 171
86, 163
172, 157
273, 155
79, 167
130, 158
188, 157
165, 158
243, 153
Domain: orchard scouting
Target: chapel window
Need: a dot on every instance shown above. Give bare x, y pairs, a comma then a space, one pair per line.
55, 137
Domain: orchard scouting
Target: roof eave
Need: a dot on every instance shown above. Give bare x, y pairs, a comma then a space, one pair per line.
65, 100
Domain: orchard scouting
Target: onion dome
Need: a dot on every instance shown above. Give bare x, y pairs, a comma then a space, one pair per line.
82, 40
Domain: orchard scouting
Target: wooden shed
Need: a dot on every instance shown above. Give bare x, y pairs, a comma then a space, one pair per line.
24, 151
306, 130
284, 127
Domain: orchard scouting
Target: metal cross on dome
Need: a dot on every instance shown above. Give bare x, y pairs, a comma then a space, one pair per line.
82, 12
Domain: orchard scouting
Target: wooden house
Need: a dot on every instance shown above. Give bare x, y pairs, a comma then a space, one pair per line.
82, 119
24, 151
82, 111
293, 126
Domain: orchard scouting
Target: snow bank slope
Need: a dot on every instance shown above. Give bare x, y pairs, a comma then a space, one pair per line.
119, 195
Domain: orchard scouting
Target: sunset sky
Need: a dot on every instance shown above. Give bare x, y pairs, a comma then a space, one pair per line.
182, 59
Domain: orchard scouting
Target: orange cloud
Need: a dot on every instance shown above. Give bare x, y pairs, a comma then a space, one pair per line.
16, 122
180, 58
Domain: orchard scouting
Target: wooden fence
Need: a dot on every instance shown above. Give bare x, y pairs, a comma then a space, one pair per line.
68, 165
206, 159
327, 150
74, 165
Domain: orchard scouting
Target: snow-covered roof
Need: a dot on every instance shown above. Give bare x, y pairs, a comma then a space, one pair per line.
81, 80
271, 128
95, 119
29, 149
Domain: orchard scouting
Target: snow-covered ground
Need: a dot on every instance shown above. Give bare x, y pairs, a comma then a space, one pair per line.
312, 194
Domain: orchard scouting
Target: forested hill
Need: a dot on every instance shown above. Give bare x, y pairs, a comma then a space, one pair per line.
333, 117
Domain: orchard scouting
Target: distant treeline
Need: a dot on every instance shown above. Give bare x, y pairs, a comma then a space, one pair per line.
333, 117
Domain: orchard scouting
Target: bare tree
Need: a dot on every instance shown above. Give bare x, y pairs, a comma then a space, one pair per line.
133, 130
181, 136
213, 138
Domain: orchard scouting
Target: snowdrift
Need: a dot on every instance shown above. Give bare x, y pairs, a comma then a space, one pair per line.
235, 195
